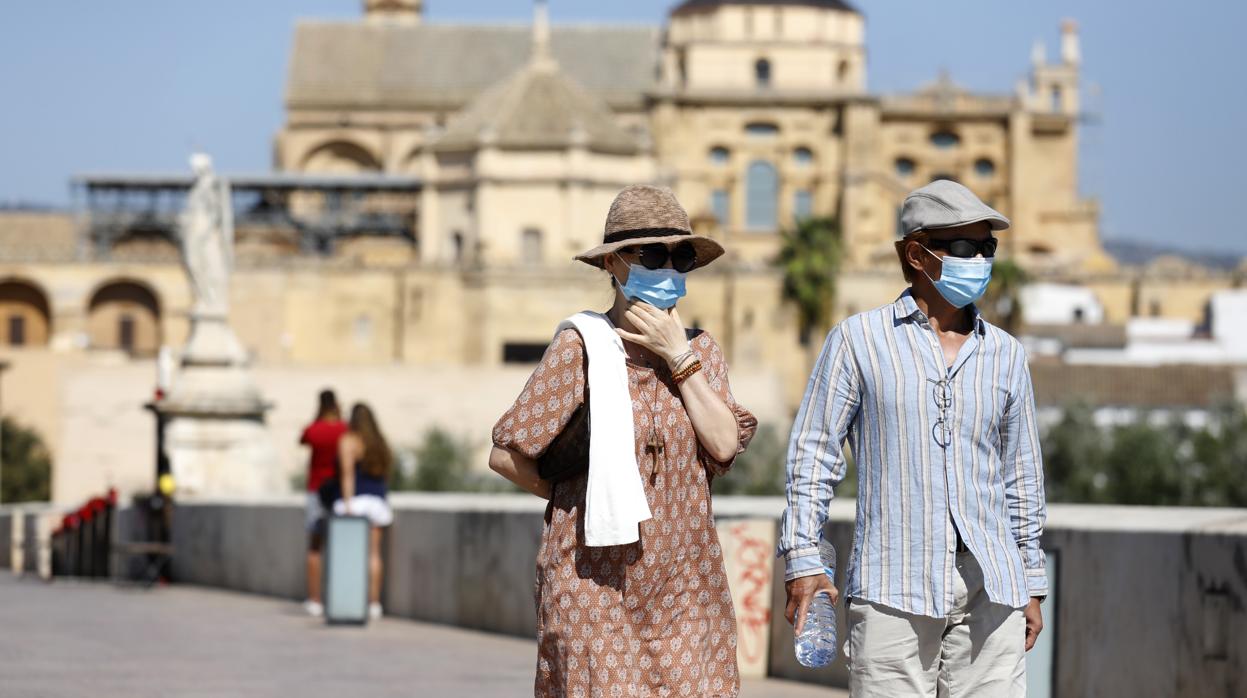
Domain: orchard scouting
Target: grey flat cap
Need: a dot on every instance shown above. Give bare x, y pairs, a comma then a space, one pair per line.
946, 204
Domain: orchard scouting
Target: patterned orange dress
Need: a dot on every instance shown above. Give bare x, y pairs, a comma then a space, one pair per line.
652, 618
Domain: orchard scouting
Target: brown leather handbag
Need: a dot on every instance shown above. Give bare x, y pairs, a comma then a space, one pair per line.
568, 455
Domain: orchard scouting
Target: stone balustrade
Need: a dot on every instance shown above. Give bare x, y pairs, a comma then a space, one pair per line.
1146, 600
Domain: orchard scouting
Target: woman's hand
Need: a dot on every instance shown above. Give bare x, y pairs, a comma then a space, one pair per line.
660, 331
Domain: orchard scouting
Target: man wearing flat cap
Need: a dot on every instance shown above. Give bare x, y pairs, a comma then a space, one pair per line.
946, 574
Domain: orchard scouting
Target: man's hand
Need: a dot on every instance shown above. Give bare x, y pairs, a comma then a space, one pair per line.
801, 592
1034, 622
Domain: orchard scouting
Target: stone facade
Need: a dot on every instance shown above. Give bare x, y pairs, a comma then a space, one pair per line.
516, 140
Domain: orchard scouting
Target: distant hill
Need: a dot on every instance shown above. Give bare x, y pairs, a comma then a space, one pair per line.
1134, 252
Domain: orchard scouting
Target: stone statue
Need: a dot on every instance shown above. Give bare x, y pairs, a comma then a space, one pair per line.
215, 436
207, 230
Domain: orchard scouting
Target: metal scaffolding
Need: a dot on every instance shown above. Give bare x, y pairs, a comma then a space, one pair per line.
316, 209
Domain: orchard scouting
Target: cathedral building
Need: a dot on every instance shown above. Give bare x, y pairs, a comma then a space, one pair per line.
432, 182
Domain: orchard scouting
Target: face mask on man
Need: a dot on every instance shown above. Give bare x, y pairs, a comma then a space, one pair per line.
962, 281
660, 288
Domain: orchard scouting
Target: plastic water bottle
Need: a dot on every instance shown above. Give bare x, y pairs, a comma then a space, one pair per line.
816, 645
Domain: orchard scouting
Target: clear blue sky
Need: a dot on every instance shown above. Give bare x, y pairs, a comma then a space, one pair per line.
135, 85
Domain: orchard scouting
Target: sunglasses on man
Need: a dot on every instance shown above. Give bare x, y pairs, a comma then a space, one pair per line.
683, 256
964, 248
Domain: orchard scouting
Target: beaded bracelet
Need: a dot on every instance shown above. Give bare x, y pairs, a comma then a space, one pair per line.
686, 372
679, 362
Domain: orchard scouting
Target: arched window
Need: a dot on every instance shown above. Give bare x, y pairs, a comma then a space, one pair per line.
25, 314
842, 73
530, 252
719, 155
945, 139
1056, 99
984, 167
761, 196
904, 167
762, 72
125, 316
803, 156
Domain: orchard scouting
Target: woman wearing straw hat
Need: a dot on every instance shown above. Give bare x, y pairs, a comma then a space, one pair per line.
631, 590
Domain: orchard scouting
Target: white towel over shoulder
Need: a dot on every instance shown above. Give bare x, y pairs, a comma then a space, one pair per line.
615, 503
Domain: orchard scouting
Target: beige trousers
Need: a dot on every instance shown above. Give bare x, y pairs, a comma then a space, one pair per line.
977, 652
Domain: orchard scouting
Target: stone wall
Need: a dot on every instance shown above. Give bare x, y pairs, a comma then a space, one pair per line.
1147, 600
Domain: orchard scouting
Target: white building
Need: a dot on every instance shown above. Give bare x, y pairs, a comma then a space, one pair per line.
1054, 304
1161, 341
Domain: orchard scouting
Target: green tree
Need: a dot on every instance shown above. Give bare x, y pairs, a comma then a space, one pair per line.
809, 258
1003, 301
1144, 465
760, 469
1220, 458
1152, 462
443, 463
25, 465
1074, 452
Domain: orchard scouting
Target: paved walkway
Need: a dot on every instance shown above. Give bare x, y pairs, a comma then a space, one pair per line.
82, 639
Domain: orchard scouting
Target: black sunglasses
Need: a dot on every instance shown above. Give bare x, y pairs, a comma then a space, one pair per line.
965, 248
683, 256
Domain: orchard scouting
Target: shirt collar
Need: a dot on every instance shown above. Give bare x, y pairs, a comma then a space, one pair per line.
906, 308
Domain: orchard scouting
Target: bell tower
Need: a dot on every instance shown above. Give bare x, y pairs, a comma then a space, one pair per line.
1054, 86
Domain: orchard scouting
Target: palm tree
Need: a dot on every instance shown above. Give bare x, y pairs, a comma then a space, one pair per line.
1003, 301
809, 257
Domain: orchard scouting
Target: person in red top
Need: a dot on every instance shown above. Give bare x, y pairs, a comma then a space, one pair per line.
322, 437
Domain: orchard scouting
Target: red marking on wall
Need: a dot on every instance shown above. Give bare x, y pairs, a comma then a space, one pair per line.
753, 558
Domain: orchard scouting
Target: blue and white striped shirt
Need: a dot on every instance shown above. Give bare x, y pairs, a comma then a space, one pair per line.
935, 447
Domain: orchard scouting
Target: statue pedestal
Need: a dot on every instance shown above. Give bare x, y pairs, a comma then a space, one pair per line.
215, 436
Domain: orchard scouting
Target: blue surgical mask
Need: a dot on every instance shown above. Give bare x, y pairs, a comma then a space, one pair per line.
962, 281
660, 288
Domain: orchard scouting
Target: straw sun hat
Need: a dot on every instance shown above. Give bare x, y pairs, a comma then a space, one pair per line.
641, 215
